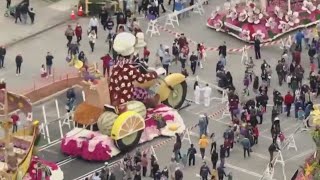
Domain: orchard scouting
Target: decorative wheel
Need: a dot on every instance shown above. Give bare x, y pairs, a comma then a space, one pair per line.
127, 129
177, 95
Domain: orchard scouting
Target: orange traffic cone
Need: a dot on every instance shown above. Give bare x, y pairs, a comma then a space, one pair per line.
72, 16
80, 11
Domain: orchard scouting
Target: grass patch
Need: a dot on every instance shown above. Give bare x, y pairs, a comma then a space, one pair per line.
270, 34
306, 21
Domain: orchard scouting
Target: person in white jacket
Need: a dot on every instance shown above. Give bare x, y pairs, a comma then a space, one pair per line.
93, 25
92, 39
207, 95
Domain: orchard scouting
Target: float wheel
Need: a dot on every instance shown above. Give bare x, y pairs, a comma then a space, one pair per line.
177, 96
127, 130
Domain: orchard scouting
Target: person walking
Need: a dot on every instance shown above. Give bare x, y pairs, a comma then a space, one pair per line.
204, 171
166, 60
193, 64
93, 25
257, 45
31, 14
146, 54
24, 12
223, 49
221, 173
3, 53
78, 32
203, 144
222, 155
288, 100
160, 52
246, 146
192, 155
177, 147
17, 14
178, 174
8, 3
19, 61
273, 148
69, 33
49, 62
92, 39
214, 158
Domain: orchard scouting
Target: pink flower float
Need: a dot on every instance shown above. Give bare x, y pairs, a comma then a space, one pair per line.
271, 23
215, 13
243, 16
308, 6
278, 12
245, 34
284, 26
232, 14
259, 34
255, 16
292, 18
218, 25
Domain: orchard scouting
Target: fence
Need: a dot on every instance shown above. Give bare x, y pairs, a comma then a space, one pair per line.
38, 82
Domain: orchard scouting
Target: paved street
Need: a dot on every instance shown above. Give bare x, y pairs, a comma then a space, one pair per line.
34, 50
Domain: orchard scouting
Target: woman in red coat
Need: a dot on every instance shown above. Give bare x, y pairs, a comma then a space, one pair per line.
78, 32
255, 131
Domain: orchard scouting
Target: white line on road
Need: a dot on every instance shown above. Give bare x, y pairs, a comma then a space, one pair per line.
300, 155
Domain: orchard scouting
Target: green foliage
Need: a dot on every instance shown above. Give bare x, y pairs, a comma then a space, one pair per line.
318, 16
306, 21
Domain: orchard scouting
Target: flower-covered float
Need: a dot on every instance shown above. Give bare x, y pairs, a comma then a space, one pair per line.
311, 168
133, 105
269, 20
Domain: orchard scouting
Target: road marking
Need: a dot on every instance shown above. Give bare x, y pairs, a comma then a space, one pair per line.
49, 145
238, 168
300, 155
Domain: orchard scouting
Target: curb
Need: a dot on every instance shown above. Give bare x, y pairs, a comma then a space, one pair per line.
39, 32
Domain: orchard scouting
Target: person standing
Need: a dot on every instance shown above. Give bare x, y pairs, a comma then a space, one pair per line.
144, 164
94, 24
24, 12
78, 32
207, 95
109, 24
19, 61
160, 52
161, 4
222, 155
92, 39
204, 171
8, 3
146, 54
31, 14
106, 60
178, 174
203, 144
299, 37
193, 62
69, 33
177, 147
257, 45
223, 49
3, 53
192, 154
15, 118
166, 60
49, 62
273, 148
246, 146
221, 172
103, 16
288, 100
17, 14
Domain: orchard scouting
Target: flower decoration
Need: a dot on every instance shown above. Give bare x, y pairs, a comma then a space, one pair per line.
215, 13
255, 16
251, 5
283, 26
258, 34
278, 12
245, 34
232, 13
308, 6
292, 18
243, 16
218, 25
271, 22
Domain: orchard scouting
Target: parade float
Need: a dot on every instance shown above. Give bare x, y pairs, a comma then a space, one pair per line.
265, 19
131, 106
310, 170
17, 148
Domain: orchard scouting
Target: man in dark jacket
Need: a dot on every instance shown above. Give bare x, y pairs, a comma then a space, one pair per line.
223, 49
3, 52
193, 62
103, 16
178, 175
214, 159
257, 47
73, 49
280, 72
204, 171
246, 146
288, 100
19, 61
221, 173
191, 154
49, 62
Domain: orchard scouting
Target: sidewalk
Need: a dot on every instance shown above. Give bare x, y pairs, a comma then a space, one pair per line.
48, 15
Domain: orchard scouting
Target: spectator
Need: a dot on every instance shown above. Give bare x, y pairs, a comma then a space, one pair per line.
15, 119
49, 62
191, 154
203, 144
204, 171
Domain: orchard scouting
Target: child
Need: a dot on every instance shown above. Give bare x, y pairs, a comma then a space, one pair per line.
184, 160
43, 71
